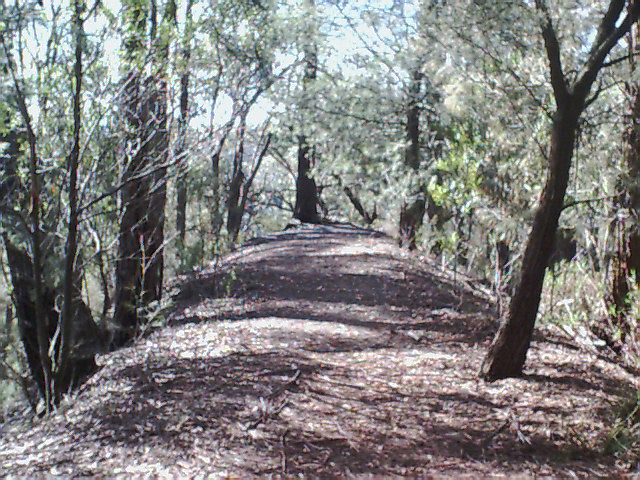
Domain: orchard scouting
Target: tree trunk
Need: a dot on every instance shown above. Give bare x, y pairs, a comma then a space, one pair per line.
153, 270
140, 264
507, 353
39, 314
234, 212
21, 270
413, 210
80, 362
306, 207
368, 218
249, 182
128, 277
216, 210
70, 299
626, 264
183, 123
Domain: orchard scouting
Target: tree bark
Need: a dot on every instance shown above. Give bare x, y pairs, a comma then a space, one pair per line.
154, 219
68, 314
306, 207
130, 261
234, 213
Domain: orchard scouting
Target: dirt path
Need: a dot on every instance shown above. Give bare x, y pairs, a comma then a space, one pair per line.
335, 355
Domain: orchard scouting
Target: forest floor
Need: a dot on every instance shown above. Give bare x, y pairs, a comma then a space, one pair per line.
327, 352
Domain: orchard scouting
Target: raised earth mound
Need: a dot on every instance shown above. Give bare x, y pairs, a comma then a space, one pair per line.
326, 352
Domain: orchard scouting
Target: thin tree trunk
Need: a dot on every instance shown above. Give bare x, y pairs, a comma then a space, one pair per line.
368, 218
247, 188
183, 123
507, 353
216, 210
234, 214
69, 297
306, 208
41, 320
412, 211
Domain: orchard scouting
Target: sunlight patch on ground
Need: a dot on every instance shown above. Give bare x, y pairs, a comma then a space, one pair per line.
356, 248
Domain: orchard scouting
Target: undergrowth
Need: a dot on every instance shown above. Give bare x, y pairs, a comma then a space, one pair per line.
624, 438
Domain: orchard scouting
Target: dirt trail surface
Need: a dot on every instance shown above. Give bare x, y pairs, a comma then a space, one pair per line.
326, 352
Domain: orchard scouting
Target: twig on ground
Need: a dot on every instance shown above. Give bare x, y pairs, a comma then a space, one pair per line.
286, 386
266, 404
283, 439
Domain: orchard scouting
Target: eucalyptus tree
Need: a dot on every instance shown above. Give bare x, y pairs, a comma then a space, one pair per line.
55, 321
572, 95
379, 106
246, 55
140, 262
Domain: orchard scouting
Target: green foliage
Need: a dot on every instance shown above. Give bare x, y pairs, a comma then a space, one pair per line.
155, 315
574, 295
228, 282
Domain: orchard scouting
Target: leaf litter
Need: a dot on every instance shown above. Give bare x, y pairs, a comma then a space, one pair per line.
335, 355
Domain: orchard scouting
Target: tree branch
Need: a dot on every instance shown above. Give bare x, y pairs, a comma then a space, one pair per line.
608, 37
552, 47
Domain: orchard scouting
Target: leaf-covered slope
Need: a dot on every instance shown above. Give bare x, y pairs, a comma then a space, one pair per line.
334, 354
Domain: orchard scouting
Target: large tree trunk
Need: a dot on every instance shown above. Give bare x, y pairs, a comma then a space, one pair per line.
153, 273
140, 264
507, 353
134, 195
22, 283
87, 339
